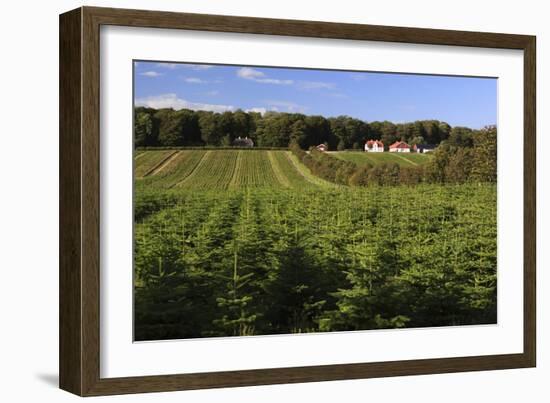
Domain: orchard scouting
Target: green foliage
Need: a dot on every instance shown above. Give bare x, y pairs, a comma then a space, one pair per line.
270, 260
298, 133
143, 130
459, 165
218, 168
177, 128
345, 172
211, 132
169, 128
484, 166
461, 137
361, 176
406, 160
435, 170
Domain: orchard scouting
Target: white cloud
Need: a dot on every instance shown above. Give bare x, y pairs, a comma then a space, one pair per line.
358, 76
274, 81
287, 106
172, 101
257, 109
199, 66
151, 74
315, 85
194, 80
170, 66
173, 66
249, 73
338, 95
212, 93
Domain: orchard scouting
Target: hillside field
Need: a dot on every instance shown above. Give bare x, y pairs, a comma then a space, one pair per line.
222, 169
363, 158
249, 242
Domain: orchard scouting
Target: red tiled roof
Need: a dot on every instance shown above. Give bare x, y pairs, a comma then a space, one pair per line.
372, 142
400, 144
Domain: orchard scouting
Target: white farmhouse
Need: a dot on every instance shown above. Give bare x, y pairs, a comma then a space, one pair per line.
374, 146
322, 148
400, 147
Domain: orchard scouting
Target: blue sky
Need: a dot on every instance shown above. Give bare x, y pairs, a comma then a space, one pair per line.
459, 101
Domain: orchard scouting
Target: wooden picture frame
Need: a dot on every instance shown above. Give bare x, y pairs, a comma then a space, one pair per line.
79, 346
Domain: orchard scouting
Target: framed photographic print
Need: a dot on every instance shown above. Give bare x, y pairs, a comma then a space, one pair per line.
249, 201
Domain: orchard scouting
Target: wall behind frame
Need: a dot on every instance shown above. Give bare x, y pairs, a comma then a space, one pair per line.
29, 178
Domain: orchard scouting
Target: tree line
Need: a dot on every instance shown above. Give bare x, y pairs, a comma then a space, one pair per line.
172, 128
468, 157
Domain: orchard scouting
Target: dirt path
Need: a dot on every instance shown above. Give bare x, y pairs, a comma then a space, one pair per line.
162, 164
236, 170
404, 159
281, 178
304, 171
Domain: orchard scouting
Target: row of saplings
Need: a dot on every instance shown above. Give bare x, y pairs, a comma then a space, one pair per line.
448, 164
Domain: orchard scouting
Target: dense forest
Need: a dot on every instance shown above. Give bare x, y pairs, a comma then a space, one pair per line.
171, 128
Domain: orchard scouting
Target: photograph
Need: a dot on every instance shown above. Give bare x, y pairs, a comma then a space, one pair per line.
283, 200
